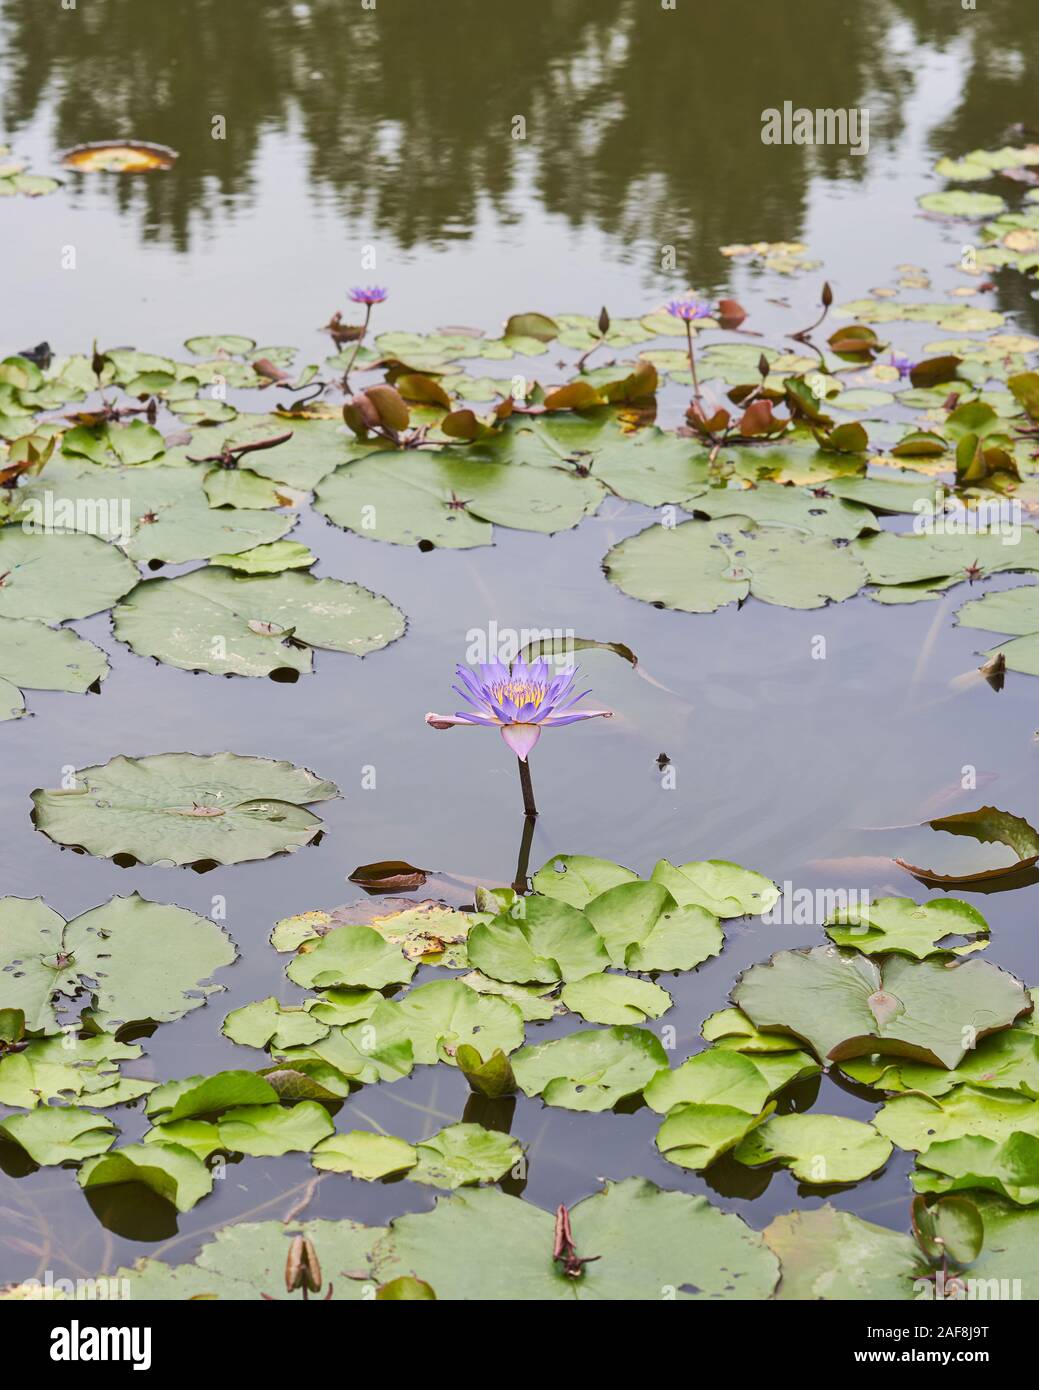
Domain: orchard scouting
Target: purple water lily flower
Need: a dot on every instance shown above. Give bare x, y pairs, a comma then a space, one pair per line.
520, 702
688, 310
369, 294
903, 364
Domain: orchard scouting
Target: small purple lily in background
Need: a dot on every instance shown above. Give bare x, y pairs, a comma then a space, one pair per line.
520, 703
689, 310
904, 365
368, 295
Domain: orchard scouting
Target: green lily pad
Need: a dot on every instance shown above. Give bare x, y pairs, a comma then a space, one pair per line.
731, 1028
55, 577
268, 559
714, 1077
59, 1067
210, 620
614, 999
817, 1148
775, 504
351, 956
535, 1002
193, 1096
643, 928
722, 888
700, 566
957, 202
449, 500
848, 1005
180, 808
48, 658
230, 344
914, 929
246, 1261
131, 445
364, 1155
193, 530
590, 1070
267, 1021
835, 1255
437, 1018
59, 1134
168, 1169
136, 960
1009, 1166
917, 1121
274, 1129
538, 939
578, 878
1014, 611
1006, 1061
694, 1134
463, 1154
646, 1240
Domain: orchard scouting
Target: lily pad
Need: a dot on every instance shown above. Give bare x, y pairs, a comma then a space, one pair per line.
722, 888
643, 928
848, 1005
69, 1066
274, 1129
613, 999
914, 929
700, 566
437, 1018
210, 620
647, 1240
590, 1070
59, 1134
181, 808
817, 1148
170, 1170
714, 1077
835, 1255
1009, 1166
246, 1261
538, 939
267, 1021
364, 1155
350, 956
578, 878
917, 1121
463, 1154
989, 825
694, 1135
46, 658
134, 960
957, 202
60, 576
1014, 611
449, 500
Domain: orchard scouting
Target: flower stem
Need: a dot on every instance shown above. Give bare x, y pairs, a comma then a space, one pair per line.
692, 359
357, 347
527, 787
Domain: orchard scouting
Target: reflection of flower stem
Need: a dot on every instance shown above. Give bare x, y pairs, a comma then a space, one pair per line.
692, 359
529, 807
520, 885
357, 347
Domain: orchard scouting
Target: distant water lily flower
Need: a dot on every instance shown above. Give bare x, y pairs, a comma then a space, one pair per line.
903, 365
520, 702
369, 294
688, 310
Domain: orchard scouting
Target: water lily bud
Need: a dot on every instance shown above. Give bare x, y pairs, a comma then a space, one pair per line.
827, 295
604, 322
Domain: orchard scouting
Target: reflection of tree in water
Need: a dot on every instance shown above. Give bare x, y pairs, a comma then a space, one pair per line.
642, 121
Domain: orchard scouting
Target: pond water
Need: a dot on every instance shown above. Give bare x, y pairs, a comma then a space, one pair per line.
347, 129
